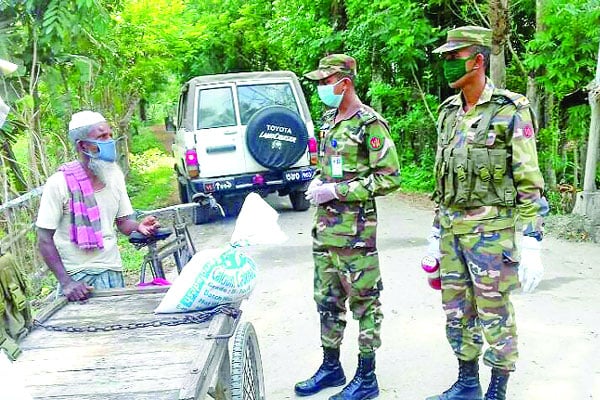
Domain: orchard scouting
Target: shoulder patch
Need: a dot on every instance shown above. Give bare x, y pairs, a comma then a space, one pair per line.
527, 131
376, 141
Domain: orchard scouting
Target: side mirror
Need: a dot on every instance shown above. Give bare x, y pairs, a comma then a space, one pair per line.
169, 124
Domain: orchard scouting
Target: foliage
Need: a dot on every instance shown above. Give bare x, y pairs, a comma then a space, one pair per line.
145, 140
150, 185
128, 57
568, 56
151, 181
417, 176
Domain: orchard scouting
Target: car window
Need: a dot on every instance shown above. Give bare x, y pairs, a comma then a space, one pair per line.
181, 109
254, 97
215, 108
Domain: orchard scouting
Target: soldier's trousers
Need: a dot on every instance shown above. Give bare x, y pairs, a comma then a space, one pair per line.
478, 271
348, 274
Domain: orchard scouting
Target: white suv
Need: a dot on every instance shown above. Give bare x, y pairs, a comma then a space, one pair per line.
240, 133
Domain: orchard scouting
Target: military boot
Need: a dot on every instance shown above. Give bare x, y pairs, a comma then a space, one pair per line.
467, 386
364, 384
497, 388
329, 374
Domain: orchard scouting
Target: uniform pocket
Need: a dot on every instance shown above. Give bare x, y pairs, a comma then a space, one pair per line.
509, 276
341, 222
492, 261
462, 176
482, 175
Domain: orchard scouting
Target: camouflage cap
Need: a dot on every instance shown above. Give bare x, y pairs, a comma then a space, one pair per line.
466, 36
332, 64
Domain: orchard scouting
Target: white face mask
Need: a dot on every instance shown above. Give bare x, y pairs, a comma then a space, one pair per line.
4, 109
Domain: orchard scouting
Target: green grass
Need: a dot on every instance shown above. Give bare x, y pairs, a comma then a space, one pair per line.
417, 179
151, 180
151, 184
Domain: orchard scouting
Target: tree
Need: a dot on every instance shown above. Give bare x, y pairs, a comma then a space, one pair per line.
500, 29
594, 137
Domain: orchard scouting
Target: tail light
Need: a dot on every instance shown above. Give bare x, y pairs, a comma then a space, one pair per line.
258, 180
191, 163
312, 150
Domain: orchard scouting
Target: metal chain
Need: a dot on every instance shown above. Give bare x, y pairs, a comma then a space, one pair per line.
196, 318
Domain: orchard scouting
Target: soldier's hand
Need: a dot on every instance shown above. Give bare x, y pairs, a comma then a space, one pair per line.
313, 184
531, 269
76, 291
322, 193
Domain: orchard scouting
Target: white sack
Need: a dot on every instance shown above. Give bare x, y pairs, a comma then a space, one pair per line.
257, 224
212, 277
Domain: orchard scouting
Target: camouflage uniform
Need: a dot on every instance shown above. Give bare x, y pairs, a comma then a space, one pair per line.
487, 178
359, 156
344, 232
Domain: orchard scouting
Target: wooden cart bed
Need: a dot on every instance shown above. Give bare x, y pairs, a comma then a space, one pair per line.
163, 362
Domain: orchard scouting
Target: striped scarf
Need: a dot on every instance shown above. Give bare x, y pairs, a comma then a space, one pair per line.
86, 229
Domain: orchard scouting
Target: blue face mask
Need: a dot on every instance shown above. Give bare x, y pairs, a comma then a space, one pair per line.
107, 150
328, 97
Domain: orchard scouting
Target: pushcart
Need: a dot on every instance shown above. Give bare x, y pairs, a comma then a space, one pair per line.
114, 347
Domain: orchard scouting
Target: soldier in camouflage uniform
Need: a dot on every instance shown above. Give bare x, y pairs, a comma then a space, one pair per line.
487, 178
358, 161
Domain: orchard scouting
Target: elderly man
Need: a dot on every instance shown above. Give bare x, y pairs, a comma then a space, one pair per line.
487, 178
79, 207
357, 162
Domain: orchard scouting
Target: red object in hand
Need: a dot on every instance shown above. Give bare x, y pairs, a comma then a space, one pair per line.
432, 266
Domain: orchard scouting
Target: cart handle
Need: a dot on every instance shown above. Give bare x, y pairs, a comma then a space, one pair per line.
236, 321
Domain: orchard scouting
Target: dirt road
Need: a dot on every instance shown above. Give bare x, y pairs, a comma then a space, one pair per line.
559, 324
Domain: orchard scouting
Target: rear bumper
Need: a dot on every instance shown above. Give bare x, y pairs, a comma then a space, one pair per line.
264, 182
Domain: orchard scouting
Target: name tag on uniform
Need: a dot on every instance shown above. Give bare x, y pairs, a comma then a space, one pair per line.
337, 170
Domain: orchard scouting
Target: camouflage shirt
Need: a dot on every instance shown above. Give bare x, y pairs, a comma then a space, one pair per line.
509, 125
359, 155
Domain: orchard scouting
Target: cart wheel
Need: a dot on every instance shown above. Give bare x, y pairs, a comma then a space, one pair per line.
247, 381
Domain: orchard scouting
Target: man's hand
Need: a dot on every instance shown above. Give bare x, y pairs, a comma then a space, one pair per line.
76, 291
531, 269
433, 240
322, 193
148, 225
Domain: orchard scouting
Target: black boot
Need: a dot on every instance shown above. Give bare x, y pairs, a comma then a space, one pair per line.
467, 386
329, 374
497, 388
364, 384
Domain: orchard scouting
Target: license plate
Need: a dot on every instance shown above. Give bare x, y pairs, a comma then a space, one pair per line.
298, 175
219, 186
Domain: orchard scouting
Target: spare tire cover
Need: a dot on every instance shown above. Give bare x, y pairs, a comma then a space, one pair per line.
276, 137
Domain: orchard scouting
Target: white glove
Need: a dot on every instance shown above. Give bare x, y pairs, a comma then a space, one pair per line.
433, 248
313, 184
320, 194
316, 182
531, 269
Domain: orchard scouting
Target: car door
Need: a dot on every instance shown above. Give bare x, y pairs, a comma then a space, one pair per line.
218, 134
256, 95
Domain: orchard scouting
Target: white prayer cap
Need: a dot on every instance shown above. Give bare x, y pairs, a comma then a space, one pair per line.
85, 118
7, 67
